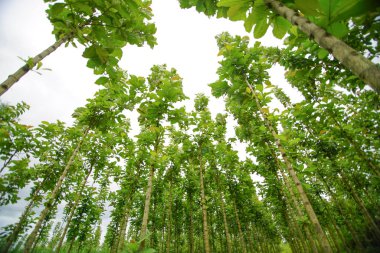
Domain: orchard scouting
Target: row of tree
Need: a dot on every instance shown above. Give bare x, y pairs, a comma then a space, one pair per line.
179, 186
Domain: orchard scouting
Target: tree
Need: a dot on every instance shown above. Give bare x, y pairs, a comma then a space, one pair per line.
321, 21
103, 27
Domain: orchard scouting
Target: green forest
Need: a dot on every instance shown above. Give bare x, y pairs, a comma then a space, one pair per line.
310, 179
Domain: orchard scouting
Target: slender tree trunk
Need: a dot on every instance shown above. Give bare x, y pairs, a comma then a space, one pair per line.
72, 211
360, 152
168, 234
241, 235
305, 200
191, 228
295, 204
221, 199
71, 246
353, 233
341, 237
17, 229
228, 236
204, 208
334, 239
49, 203
360, 202
146, 208
8, 161
12, 79
347, 56
123, 229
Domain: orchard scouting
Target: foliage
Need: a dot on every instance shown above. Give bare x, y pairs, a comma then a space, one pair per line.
308, 180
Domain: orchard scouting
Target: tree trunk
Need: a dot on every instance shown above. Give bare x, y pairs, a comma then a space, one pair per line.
295, 204
191, 229
241, 235
8, 161
17, 229
360, 203
204, 208
353, 233
349, 57
72, 211
146, 208
123, 229
221, 199
168, 236
31, 238
12, 79
228, 236
305, 200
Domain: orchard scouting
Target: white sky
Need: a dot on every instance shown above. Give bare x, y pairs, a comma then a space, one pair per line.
185, 41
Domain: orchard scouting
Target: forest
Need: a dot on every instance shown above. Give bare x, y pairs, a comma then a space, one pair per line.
309, 179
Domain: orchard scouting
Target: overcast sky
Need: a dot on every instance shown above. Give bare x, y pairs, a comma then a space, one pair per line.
186, 41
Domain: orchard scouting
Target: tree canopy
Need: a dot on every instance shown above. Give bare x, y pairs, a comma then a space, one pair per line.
307, 181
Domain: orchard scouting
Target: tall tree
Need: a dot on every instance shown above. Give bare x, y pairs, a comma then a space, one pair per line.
103, 27
325, 22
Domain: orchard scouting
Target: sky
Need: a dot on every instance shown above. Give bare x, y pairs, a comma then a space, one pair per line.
186, 41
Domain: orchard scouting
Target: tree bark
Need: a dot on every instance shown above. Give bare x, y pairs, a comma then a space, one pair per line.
31, 238
204, 208
12, 79
295, 204
221, 199
191, 229
123, 229
17, 229
228, 236
360, 203
305, 200
146, 208
168, 234
241, 235
72, 211
346, 55
343, 214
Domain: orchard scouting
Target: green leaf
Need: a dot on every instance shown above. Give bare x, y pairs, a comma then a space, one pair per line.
57, 8
219, 88
102, 80
280, 27
89, 52
260, 28
102, 54
81, 7
30, 62
259, 12
39, 65
322, 53
265, 110
118, 53
249, 22
308, 7
259, 87
230, 3
339, 30
237, 12
345, 9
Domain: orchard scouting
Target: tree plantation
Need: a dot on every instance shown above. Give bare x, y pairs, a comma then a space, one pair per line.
294, 177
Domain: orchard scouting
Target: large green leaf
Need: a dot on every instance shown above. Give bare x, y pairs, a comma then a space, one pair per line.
230, 3
237, 12
280, 27
308, 7
340, 10
260, 28
219, 88
338, 29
